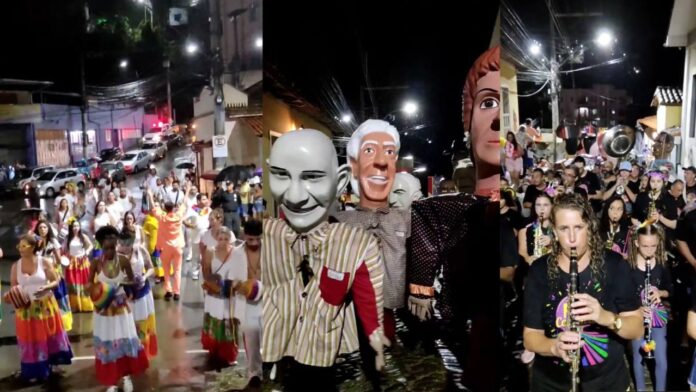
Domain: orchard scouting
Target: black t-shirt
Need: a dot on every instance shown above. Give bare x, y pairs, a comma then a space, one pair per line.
660, 277
513, 218
686, 230
634, 186
229, 201
602, 363
531, 193
593, 184
665, 205
690, 189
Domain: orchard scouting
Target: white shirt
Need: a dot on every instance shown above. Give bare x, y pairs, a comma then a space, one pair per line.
202, 224
125, 203
151, 182
177, 197
116, 210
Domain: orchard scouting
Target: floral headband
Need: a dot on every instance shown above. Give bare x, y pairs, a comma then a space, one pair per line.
658, 174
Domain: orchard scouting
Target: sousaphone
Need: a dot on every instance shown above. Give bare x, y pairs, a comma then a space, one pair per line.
618, 141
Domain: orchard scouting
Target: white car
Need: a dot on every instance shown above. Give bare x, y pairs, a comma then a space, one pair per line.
136, 160
50, 182
35, 173
156, 150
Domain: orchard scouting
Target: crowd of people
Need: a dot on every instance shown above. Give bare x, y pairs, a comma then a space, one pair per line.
631, 225
104, 250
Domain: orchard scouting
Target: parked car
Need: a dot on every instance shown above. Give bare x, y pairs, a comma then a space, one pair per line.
113, 170
50, 182
156, 150
136, 160
25, 176
111, 154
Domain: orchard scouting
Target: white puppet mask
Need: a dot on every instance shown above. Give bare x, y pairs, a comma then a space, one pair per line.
405, 191
305, 177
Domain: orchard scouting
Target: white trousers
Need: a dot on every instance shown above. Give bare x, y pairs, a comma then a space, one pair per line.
251, 328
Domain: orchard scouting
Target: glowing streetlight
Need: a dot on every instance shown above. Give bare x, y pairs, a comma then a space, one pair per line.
191, 48
410, 108
535, 48
604, 38
408, 157
123, 64
421, 169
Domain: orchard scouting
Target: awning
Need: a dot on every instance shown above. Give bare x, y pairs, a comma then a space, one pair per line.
255, 123
650, 122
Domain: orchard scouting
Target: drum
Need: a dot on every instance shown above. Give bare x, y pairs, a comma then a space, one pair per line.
102, 294
19, 297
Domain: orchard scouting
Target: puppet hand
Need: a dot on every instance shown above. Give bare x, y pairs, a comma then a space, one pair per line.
377, 342
420, 307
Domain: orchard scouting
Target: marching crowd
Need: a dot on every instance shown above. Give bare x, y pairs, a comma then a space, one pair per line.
632, 225
103, 252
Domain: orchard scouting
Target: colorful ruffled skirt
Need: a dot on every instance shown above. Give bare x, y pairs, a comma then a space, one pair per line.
77, 279
41, 338
60, 292
118, 351
219, 335
143, 307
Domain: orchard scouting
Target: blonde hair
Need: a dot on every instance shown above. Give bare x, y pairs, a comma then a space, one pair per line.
660, 253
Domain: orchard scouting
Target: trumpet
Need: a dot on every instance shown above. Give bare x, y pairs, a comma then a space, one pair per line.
648, 342
620, 190
574, 323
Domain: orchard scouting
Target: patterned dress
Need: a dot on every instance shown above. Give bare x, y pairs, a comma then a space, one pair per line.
41, 338
77, 277
60, 292
143, 306
150, 227
117, 347
219, 335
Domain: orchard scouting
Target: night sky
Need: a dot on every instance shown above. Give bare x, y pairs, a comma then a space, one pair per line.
42, 38
427, 46
641, 29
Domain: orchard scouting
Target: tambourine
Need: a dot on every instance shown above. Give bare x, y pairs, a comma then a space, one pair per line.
19, 297
102, 294
64, 261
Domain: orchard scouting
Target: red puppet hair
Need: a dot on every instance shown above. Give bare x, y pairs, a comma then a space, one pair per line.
487, 62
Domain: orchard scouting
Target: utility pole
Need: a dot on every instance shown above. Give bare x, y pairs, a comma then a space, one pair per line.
83, 83
555, 86
167, 65
216, 73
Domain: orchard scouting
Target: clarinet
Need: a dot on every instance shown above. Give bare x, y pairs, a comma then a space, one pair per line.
574, 324
648, 343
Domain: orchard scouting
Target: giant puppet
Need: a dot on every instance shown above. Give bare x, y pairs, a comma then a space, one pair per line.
406, 190
317, 275
458, 235
372, 154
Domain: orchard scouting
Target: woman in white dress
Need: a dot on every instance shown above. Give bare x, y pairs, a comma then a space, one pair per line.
139, 294
63, 215
220, 326
102, 217
119, 354
209, 238
78, 247
130, 225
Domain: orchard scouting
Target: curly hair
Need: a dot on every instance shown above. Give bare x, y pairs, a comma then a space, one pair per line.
575, 202
487, 62
660, 254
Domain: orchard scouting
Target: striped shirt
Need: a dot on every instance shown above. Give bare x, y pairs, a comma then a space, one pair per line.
392, 227
315, 323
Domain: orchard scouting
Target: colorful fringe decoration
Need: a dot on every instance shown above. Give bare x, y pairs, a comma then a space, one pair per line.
41, 338
595, 350
77, 279
60, 292
660, 315
143, 308
219, 337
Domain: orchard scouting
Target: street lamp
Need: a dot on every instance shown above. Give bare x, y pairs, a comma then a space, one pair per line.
410, 108
535, 48
604, 38
191, 48
123, 64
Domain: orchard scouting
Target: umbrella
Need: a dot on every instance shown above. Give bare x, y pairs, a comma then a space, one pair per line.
185, 165
233, 173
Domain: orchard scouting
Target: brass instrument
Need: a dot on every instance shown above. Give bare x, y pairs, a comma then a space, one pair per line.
620, 190
651, 207
574, 324
610, 236
539, 250
648, 343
